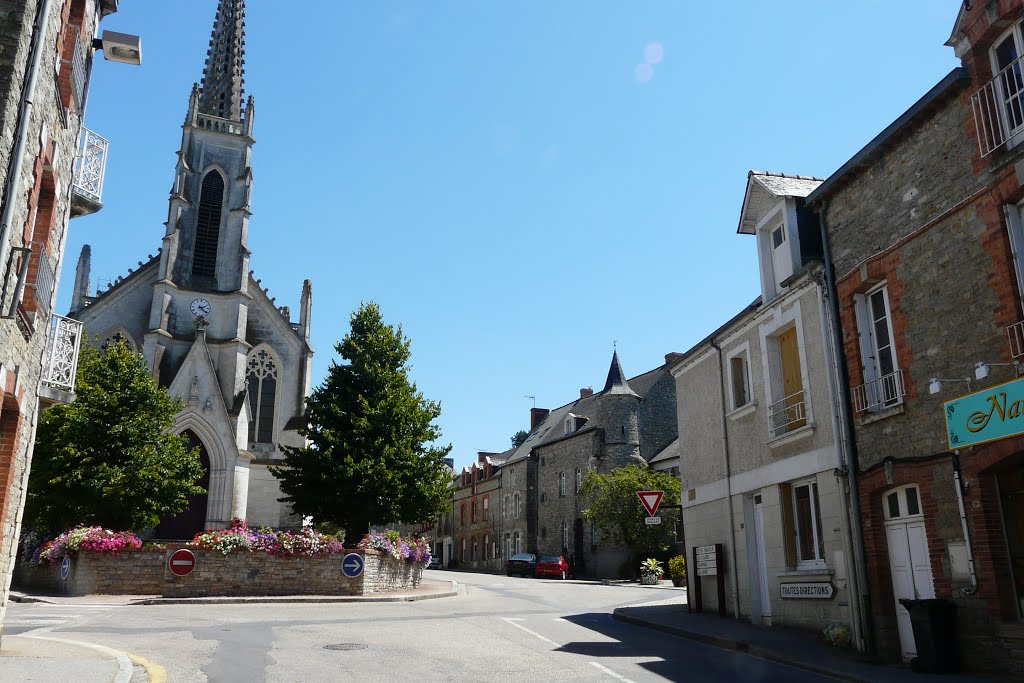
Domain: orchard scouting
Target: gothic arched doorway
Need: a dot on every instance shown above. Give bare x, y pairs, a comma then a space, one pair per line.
185, 525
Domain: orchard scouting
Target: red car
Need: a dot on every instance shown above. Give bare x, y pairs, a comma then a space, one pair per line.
553, 565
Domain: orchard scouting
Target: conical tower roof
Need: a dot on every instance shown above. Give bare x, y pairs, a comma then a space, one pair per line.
616, 382
224, 75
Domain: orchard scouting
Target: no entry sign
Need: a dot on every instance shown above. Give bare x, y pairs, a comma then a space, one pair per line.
182, 562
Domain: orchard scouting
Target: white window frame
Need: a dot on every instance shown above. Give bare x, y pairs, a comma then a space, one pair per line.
570, 424
818, 543
579, 479
742, 351
508, 507
561, 483
508, 546
1013, 135
903, 509
868, 342
517, 506
1015, 230
565, 534
518, 543
463, 558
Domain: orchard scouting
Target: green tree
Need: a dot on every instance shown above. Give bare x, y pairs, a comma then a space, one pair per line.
611, 503
519, 437
370, 458
107, 458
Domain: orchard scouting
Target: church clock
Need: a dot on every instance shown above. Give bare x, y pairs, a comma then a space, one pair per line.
200, 308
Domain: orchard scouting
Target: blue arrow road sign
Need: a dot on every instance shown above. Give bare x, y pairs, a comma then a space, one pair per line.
65, 567
352, 565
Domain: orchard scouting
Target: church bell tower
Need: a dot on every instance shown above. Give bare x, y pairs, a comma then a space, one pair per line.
208, 218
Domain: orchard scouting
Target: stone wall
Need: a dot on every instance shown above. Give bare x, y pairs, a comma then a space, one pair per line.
238, 573
135, 573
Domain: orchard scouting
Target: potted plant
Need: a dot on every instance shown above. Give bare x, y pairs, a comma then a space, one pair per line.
650, 572
677, 571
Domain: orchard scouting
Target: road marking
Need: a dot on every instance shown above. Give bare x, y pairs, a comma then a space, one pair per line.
611, 673
124, 663
512, 622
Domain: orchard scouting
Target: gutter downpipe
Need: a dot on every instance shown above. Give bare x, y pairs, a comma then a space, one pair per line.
852, 461
728, 486
14, 174
958, 482
835, 386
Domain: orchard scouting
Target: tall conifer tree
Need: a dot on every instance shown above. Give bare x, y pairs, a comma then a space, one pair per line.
370, 458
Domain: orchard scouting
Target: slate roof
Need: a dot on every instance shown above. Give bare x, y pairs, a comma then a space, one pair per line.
764, 189
551, 429
617, 383
783, 185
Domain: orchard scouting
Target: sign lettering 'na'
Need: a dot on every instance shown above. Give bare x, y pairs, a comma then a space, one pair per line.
988, 415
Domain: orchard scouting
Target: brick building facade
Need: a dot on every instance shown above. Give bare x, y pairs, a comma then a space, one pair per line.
477, 517
53, 171
922, 224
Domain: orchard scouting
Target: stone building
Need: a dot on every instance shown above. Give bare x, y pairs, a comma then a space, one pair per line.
210, 332
756, 400
925, 237
629, 421
53, 171
477, 517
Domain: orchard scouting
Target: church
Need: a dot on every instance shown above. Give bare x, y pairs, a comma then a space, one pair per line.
208, 330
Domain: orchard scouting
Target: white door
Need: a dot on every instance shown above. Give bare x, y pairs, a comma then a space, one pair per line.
762, 560
908, 560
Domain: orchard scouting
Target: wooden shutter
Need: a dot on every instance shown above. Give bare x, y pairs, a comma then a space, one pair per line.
788, 524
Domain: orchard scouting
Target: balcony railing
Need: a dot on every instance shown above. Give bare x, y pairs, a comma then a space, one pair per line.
90, 168
998, 108
787, 415
1015, 338
884, 392
60, 364
210, 122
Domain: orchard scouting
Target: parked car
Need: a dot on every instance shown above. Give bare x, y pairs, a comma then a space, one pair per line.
554, 565
435, 562
524, 564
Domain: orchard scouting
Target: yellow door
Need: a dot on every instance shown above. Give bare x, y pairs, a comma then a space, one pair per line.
792, 382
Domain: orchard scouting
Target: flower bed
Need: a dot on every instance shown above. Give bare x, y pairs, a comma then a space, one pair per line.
307, 543
93, 539
392, 544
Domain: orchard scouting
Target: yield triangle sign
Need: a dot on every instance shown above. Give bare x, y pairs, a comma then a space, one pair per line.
651, 500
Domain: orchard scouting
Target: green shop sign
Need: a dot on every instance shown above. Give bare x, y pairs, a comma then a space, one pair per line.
989, 415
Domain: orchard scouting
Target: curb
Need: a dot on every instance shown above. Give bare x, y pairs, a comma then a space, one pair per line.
740, 646
268, 599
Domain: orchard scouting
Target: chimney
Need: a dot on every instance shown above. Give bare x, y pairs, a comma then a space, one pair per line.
671, 357
537, 416
586, 391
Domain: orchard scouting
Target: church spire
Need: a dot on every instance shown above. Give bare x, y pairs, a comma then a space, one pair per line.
223, 77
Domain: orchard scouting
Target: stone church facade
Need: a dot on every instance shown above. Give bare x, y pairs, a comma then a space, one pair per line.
211, 334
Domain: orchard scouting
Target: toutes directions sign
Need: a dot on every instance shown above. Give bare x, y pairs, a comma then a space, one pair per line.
823, 590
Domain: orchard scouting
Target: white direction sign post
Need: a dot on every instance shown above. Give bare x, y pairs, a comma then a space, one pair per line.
707, 560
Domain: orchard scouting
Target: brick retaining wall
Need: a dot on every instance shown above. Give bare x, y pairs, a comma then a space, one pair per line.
239, 573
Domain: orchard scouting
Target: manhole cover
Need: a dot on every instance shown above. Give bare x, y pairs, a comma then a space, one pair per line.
346, 646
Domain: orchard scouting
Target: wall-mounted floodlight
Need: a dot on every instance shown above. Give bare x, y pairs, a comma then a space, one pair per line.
120, 47
935, 385
982, 368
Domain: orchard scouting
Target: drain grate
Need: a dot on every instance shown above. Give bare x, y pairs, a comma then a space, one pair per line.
346, 646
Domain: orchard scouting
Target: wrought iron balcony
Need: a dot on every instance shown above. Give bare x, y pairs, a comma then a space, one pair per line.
1015, 338
90, 168
60, 365
998, 109
878, 394
787, 415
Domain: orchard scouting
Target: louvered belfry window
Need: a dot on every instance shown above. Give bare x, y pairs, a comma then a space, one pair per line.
211, 202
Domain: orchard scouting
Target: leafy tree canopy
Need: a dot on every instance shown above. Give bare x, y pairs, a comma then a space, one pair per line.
107, 458
370, 458
519, 437
610, 502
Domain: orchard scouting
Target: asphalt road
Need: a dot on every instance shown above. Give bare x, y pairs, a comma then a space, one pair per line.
497, 629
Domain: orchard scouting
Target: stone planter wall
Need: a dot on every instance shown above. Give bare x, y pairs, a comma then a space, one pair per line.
140, 572
239, 573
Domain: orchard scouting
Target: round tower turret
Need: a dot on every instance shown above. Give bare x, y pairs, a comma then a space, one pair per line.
617, 414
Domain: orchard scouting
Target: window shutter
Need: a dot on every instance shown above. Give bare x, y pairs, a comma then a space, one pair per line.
788, 525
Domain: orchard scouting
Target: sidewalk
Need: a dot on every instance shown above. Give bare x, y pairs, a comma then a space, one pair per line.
47, 658
793, 647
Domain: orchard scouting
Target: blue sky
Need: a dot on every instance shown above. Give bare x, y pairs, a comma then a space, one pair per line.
512, 182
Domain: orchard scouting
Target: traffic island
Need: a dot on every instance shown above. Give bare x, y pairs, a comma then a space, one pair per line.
182, 571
